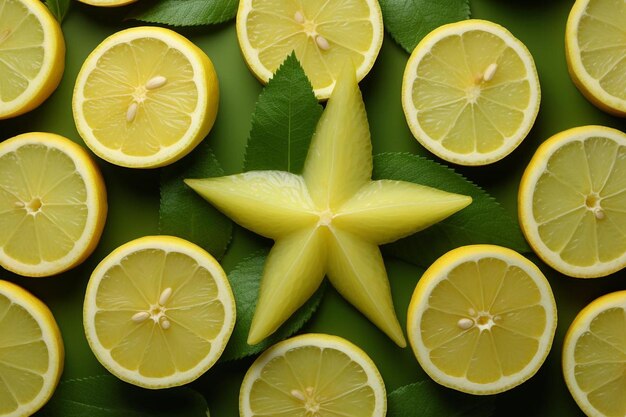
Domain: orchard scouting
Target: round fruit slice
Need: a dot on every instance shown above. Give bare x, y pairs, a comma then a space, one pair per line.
572, 201
145, 97
158, 312
324, 35
313, 375
108, 3
482, 319
594, 357
32, 56
31, 352
470, 92
595, 44
52, 204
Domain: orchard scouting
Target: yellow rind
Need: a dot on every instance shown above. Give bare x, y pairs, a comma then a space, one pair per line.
94, 183
53, 67
50, 334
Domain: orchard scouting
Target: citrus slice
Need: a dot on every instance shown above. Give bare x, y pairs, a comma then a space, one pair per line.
107, 3
482, 319
324, 35
145, 97
595, 44
470, 92
313, 375
572, 201
52, 204
31, 352
158, 312
32, 56
594, 357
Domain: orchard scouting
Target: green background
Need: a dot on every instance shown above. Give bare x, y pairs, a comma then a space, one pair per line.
134, 194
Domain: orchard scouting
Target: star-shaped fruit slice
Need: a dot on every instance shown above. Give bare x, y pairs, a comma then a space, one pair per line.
330, 220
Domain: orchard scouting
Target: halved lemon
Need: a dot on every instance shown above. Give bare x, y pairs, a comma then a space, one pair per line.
313, 375
31, 352
158, 312
572, 201
470, 92
594, 357
482, 319
325, 35
53, 204
595, 45
32, 56
145, 97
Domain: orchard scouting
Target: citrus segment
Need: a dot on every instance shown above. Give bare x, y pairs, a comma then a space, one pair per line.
31, 352
145, 97
32, 56
594, 357
595, 44
52, 204
313, 375
470, 92
572, 201
323, 35
482, 319
158, 312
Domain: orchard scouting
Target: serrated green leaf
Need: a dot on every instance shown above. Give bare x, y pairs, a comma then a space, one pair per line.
245, 281
185, 12
107, 396
184, 213
283, 122
426, 399
58, 8
483, 221
408, 21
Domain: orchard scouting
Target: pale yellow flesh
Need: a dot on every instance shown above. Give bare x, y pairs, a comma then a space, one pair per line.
457, 107
579, 202
43, 204
24, 357
294, 384
194, 311
330, 220
21, 49
275, 28
491, 293
600, 360
119, 83
601, 38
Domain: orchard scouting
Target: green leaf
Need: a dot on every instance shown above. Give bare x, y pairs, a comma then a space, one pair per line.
483, 221
408, 21
283, 122
245, 280
185, 12
107, 396
426, 399
184, 213
58, 8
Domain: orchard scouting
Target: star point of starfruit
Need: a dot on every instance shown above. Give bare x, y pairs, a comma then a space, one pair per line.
330, 220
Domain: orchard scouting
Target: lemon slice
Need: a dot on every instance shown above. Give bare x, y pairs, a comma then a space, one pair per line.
595, 44
323, 34
31, 352
572, 201
158, 312
32, 56
594, 357
313, 375
107, 3
470, 92
52, 204
145, 97
482, 319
